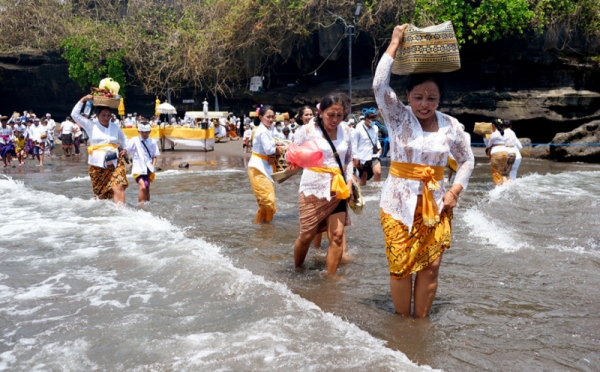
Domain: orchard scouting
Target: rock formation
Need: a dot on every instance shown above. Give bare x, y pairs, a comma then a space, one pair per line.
581, 144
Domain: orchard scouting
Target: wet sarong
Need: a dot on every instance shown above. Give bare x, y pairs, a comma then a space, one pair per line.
510, 161
314, 212
498, 164
264, 192
104, 179
407, 252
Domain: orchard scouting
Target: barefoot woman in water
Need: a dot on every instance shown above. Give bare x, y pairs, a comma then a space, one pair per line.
416, 211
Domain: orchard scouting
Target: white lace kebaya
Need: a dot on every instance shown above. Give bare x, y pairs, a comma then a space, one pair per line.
319, 184
409, 144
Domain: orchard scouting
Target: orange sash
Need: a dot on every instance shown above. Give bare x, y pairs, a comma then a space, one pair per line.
429, 174
265, 158
337, 184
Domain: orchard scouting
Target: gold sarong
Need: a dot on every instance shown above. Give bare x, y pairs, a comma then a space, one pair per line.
314, 212
104, 179
264, 192
498, 164
265, 158
338, 185
407, 252
429, 175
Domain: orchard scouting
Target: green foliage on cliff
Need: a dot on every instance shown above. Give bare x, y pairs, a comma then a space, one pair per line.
215, 44
477, 21
89, 63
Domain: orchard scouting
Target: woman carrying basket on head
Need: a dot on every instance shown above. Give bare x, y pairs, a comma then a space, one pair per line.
324, 190
262, 165
106, 164
415, 208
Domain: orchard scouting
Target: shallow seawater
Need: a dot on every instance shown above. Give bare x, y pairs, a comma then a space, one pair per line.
189, 283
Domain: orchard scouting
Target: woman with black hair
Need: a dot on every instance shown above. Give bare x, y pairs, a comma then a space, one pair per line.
262, 165
106, 164
497, 152
415, 208
324, 190
305, 115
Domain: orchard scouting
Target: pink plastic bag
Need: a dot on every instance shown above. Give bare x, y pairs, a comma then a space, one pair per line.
307, 155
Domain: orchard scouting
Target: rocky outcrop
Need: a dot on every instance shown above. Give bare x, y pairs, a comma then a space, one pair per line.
540, 152
581, 144
526, 143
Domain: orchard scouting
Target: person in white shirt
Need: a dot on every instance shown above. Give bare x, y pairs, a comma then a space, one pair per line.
514, 146
39, 137
129, 122
107, 150
50, 127
366, 150
262, 164
66, 136
144, 153
219, 130
325, 190
287, 134
247, 138
497, 153
416, 206
7, 145
277, 132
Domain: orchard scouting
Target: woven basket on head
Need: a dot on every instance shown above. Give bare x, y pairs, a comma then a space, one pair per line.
113, 103
483, 128
427, 50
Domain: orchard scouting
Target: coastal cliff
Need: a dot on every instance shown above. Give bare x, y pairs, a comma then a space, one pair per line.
528, 80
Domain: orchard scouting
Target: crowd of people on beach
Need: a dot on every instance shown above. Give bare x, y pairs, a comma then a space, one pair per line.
27, 136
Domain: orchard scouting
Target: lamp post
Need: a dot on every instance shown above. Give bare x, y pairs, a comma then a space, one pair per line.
350, 31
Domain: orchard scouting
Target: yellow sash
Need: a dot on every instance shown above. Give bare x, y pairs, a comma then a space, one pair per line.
104, 147
429, 174
337, 184
265, 158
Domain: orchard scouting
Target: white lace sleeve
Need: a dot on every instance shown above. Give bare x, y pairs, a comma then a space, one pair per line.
460, 149
349, 171
395, 112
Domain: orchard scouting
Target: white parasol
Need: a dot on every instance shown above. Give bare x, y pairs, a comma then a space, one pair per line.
165, 108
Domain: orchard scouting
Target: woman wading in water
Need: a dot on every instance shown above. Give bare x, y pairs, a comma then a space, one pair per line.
500, 159
324, 193
106, 158
416, 211
262, 165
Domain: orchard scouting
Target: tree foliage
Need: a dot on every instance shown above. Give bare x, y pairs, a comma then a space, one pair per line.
216, 44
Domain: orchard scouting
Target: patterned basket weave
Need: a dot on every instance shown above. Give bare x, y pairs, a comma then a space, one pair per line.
113, 103
426, 50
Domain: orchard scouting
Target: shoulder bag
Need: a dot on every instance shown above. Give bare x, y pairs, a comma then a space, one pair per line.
356, 201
